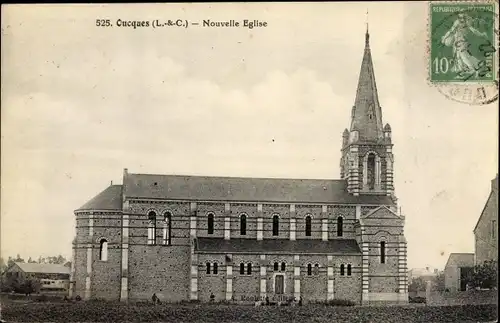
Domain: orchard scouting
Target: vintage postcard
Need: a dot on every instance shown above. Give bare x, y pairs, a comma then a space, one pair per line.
250, 162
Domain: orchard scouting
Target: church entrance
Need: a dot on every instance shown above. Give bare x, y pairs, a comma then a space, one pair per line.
279, 285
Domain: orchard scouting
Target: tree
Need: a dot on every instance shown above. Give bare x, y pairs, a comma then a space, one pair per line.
60, 260
417, 284
3, 265
13, 260
438, 282
29, 286
485, 275
10, 283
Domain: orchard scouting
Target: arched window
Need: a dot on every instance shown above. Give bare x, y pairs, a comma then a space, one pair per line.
382, 252
167, 229
342, 268
243, 224
215, 268
208, 268
370, 171
276, 266
242, 268
103, 250
340, 226
349, 270
308, 226
283, 266
249, 269
152, 228
276, 225
210, 227
309, 269
316, 269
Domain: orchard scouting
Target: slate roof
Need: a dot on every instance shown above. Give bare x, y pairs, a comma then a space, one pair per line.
367, 113
207, 188
110, 200
460, 260
492, 200
43, 268
309, 246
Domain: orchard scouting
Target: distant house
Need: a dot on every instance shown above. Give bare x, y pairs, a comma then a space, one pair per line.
52, 277
458, 267
427, 273
486, 230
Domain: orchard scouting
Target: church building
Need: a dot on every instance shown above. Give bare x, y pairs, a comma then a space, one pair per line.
244, 239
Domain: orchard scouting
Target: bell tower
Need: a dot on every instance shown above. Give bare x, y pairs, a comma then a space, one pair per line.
367, 159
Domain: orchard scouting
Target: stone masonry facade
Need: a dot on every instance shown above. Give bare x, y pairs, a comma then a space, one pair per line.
244, 239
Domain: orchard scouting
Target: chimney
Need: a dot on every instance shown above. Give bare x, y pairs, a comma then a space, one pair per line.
494, 184
111, 182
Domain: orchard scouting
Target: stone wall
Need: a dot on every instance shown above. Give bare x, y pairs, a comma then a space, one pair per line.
166, 269
106, 274
161, 269
475, 297
246, 287
486, 231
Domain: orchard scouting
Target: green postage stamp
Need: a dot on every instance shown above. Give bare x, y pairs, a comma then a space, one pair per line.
463, 42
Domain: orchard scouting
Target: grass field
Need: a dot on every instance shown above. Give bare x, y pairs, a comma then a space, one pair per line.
16, 311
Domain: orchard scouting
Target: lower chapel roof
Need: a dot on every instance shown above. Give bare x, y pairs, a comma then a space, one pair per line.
237, 189
309, 246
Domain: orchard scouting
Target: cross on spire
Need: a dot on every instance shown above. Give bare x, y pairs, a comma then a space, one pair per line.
367, 35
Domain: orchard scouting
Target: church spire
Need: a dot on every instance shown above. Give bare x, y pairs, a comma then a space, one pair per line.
367, 114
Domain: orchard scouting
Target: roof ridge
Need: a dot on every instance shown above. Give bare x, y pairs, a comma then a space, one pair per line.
239, 177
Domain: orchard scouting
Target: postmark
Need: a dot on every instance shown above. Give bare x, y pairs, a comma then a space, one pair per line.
463, 51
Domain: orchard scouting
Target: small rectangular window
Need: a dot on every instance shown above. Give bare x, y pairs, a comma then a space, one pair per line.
249, 269
493, 228
276, 225
382, 252
210, 225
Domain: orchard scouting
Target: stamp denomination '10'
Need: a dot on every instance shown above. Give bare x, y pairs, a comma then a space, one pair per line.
462, 42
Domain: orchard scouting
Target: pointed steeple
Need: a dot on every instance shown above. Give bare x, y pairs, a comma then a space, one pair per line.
367, 114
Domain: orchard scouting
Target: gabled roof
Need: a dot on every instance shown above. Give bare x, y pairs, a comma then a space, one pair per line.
382, 208
309, 246
208, 188
43, 268
110, 200
492, 198
460, 260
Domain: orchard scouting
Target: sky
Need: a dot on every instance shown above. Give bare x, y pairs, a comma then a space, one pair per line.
80, 103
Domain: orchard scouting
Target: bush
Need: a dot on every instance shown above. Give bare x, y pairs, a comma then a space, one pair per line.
417, 299
485, 275
43, 298
337, 302
122, 312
